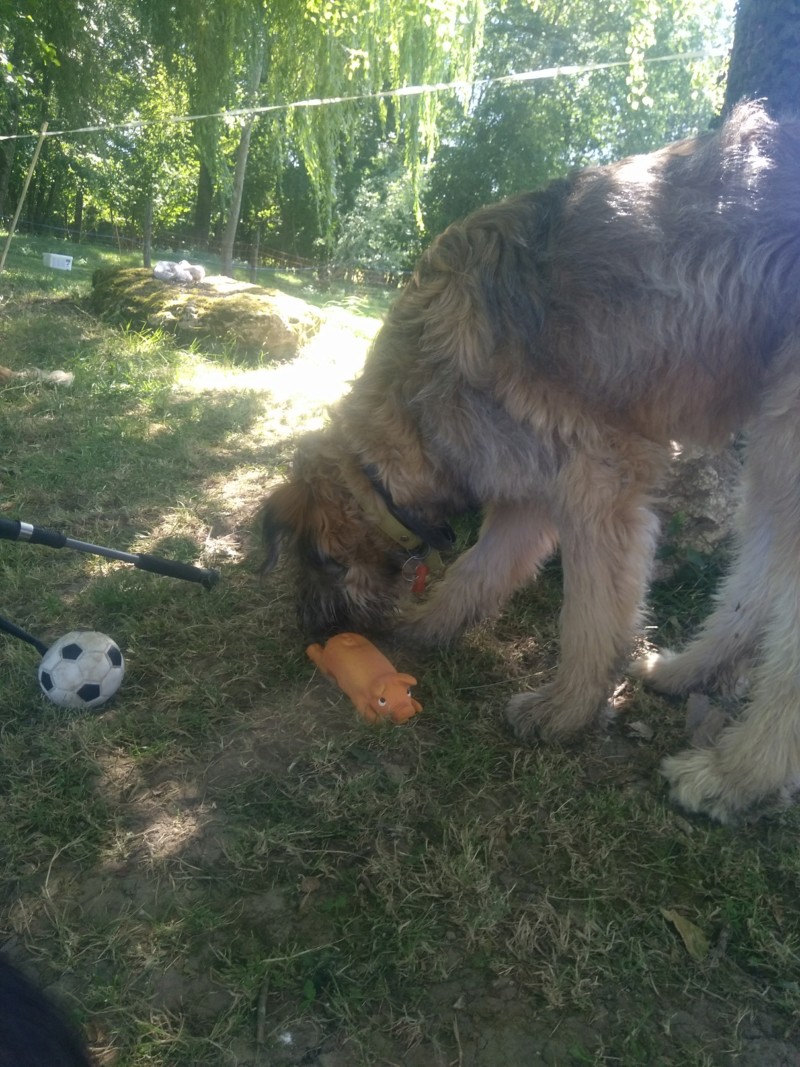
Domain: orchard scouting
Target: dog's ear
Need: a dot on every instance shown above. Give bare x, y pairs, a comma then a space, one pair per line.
284, 518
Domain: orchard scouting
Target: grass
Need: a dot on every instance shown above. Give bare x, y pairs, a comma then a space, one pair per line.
225, 867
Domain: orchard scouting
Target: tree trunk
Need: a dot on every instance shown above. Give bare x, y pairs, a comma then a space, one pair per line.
232, 222
35, 201
242, 151
204, 204
53, 191
77, 221
764, 61
9, 155
9, 151
147, 234
254, 259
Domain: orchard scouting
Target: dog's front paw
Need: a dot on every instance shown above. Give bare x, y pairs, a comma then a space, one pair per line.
698, 784
427, 624
544, 713
529, 714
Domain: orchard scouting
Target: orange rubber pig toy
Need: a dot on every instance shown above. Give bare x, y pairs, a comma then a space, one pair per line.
367, 677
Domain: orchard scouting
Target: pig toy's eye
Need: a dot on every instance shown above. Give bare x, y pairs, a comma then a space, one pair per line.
408, 692
381, 701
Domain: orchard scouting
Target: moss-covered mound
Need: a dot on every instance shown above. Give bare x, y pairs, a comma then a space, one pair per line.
218, 309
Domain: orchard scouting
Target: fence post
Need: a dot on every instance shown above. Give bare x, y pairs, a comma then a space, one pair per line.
255, 256
28, 177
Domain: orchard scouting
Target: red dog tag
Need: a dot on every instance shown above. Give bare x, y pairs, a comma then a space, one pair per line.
421, 573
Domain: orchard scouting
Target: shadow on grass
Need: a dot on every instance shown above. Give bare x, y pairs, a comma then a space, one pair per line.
227, 833
120, 437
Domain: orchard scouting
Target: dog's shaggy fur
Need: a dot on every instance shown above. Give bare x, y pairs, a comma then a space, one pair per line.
546, 352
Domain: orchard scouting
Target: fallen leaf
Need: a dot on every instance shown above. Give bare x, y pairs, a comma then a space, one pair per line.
694, 939
308, 887
683, 824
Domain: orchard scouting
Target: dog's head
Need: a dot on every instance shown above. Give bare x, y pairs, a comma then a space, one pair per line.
349, 574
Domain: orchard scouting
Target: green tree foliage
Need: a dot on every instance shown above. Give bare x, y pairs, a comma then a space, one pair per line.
516, 136
137, 173
51, 63
379, 235
77, 64
356, 177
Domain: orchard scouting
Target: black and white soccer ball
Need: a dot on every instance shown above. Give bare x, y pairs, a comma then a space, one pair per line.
83, 669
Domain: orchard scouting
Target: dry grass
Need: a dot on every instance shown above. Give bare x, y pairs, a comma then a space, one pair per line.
225, 867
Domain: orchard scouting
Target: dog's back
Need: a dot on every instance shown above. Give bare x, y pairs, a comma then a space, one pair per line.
655, 292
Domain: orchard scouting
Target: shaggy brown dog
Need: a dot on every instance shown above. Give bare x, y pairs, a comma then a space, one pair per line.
546, 352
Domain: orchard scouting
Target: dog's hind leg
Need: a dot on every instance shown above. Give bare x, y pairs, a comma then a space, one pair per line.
514, 542
726, 643
607, 543
760, 753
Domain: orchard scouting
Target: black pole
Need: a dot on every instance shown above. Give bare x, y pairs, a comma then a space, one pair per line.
16, 631
15, 530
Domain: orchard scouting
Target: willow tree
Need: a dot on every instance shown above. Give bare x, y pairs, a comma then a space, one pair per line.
269, 55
